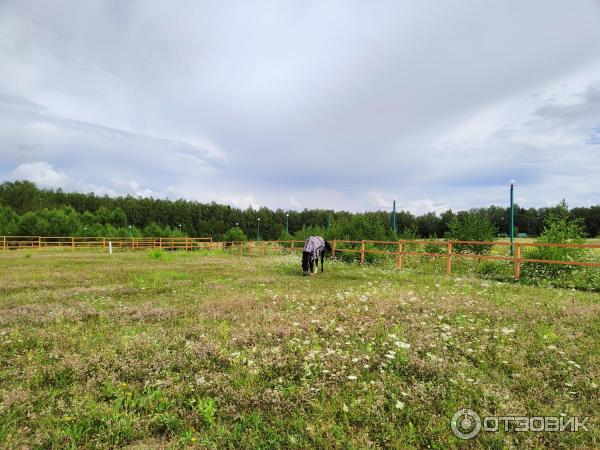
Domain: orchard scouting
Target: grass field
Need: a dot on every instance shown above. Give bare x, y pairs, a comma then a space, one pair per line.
187, 349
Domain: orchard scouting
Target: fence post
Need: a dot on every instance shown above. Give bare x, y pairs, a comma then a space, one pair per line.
39, 242
333, 248
4, 243
103, 242
449, 259
399, 255
264, 245
517, 261
132, 243
362, 252
72, 243
292, 248
160, 243
241, 248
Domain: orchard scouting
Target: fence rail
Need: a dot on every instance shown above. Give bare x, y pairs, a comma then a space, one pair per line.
401, 248
127, 243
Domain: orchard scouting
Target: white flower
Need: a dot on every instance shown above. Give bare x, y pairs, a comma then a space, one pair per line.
345, 408
399, 405
401, 344
507, 330
552, 347
352, 377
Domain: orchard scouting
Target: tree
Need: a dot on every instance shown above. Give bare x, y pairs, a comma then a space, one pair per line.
8, 221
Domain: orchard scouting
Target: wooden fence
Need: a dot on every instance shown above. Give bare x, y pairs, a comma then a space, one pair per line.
402, 248
398, 249
126, 243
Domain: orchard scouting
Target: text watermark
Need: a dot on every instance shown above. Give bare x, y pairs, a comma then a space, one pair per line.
466, 424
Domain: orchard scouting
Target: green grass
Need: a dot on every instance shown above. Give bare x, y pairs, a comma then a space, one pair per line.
211, 350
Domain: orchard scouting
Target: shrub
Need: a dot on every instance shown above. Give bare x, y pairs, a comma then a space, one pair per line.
558, 229
472, 226
235, 234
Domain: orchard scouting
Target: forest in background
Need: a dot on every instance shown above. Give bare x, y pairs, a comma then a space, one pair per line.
28, 210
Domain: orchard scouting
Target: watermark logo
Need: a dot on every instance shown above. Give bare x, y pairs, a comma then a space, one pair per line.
466, 424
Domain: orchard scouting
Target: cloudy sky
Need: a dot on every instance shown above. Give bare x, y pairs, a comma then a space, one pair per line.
299, 104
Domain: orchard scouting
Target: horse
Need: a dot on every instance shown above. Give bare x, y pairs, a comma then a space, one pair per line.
314, 247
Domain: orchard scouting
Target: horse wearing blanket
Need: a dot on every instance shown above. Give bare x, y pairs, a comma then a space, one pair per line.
315, 247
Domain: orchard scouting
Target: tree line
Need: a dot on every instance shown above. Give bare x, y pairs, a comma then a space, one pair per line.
26, 209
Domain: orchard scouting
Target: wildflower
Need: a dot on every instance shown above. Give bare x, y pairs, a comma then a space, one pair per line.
399, 405
352, 377
401, 344
68, 418
552, 347
507, 330
194, 439
345, 408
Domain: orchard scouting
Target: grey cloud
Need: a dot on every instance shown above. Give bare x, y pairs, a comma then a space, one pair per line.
300, 104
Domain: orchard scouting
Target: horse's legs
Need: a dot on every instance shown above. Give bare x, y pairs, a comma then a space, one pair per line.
322, 256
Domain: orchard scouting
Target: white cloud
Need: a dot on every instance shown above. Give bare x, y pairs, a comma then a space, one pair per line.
41, 173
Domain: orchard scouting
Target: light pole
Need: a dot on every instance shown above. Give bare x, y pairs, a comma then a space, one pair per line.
258, 230
237, 224
180, 229
130, 231
287, 223
394, 225
512, 218
85, 232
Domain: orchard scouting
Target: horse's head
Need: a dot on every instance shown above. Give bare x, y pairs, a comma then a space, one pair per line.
327, 247
305, 263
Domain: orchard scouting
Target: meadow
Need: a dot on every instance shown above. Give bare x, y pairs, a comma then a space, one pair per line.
211, 350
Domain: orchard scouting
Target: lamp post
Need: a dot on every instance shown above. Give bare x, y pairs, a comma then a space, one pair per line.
180, 229
394, 224
85, 232
258, 229
512, 218
237, 224
287, 223
130, 231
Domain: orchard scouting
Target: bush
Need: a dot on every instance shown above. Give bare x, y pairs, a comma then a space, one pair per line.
409, 234
235, 234
472, 226
558, 229
435, 246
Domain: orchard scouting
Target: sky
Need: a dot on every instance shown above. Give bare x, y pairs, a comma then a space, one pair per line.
299, 104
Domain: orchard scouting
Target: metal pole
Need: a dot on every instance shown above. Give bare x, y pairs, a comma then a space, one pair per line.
258, 230
512, 219
394, 225
287, 223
